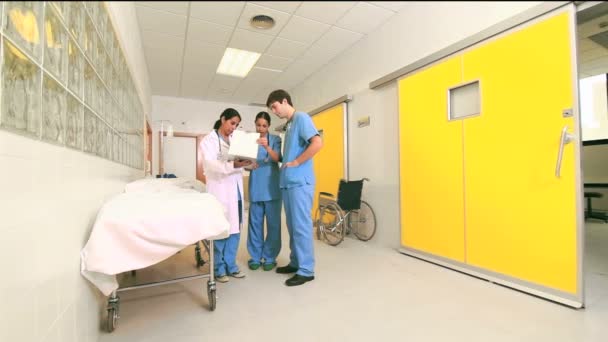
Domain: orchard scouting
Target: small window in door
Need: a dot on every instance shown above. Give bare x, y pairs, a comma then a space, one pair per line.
464, 101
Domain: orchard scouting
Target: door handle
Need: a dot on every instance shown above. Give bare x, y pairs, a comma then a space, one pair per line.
564, 139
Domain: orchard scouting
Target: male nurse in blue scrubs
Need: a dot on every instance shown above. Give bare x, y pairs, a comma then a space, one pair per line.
297, 183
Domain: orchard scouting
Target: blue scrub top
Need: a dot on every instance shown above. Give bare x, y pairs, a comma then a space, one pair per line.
300, 129
264, 181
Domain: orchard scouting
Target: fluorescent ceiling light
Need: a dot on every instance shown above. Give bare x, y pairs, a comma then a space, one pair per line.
268, 69
237, 62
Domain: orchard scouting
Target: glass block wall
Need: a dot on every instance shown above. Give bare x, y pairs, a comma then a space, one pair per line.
64, 80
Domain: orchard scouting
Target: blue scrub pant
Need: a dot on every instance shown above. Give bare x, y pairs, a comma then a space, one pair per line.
224, 255
298, 205
269, 248
224, 251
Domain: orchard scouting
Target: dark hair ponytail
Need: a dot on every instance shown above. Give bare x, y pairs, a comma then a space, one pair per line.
227, 114
264, 116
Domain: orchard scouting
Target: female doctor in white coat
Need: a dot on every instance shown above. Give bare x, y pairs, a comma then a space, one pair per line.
225, 181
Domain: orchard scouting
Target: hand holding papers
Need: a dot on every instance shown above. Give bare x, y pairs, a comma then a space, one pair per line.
243, 145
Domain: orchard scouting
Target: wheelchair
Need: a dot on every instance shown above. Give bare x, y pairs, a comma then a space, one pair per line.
337, 217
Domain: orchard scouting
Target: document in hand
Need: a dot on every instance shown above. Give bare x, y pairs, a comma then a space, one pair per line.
243, 145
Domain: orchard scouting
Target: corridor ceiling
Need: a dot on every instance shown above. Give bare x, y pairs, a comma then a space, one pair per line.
185, 41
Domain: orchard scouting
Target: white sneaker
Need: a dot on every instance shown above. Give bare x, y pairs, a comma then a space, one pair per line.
238, 274
222, 279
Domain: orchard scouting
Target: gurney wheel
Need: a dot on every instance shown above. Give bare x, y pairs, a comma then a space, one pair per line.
112, 317
212, 300
211, 295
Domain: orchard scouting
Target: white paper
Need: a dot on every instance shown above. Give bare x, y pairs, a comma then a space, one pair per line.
243, 145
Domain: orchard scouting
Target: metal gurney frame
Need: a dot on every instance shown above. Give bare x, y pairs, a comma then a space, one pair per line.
114, 301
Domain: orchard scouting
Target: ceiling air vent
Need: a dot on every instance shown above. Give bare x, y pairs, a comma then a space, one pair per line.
601, 39
261, 21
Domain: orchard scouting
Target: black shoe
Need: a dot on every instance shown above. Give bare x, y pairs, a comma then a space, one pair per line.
286, 269
298, 280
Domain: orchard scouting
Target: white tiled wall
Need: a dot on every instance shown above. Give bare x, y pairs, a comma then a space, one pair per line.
49, 199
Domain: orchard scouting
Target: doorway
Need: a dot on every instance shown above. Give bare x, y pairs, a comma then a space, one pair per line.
181, 155
592, 36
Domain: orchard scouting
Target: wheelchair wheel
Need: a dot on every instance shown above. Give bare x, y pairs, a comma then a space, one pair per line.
362, 222
331, 224
315, 223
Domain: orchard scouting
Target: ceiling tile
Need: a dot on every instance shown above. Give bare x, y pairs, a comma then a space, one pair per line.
244, 95
299, 70
394, 6
223, 83
219, 93
219, 12
326, 12
286, 48
586, 44
262, 76
283, 6
273, 62
160, 21
193, 91
303, 30
337, 39
249, 93
599, 70
217, 96
252, 10
201, 54
165, 78
163, 66
256, 80
195, 81
208, 32
291, 79
160, 57
262, 95
250, 41
315, 58
592, 54
595, 63
175, 7
164, 87
162, 41
364, 18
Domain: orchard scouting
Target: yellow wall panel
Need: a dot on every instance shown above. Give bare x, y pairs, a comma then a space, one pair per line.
431, 175
521, 218
329, 162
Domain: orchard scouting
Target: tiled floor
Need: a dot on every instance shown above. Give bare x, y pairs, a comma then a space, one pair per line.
361, 293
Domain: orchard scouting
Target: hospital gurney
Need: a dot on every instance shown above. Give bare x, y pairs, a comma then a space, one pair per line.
151, 221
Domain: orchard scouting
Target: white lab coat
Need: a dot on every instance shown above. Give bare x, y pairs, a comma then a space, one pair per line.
223, 178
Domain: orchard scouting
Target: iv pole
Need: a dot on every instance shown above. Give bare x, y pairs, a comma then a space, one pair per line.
161, 143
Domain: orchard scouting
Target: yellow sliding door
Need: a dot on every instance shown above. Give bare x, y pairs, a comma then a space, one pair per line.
329, 161
496, 191
431, 163
521, 217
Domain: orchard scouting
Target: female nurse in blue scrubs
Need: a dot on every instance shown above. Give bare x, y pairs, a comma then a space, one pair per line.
265, 199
